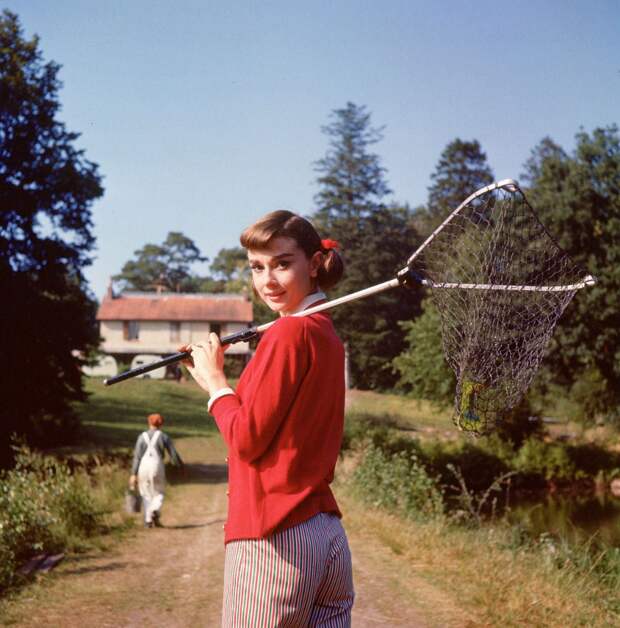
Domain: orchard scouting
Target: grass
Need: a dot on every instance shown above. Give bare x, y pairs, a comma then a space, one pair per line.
114, 416
402, 412
495, 581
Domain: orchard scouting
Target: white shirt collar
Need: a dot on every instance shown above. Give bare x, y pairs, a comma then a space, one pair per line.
311, 299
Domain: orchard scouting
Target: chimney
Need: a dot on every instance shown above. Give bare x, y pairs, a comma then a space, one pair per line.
109, 293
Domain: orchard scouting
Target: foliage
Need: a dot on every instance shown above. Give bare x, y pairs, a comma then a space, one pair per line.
167, 265
481, 462
475, 507
42, 507
578, 199
230, 266
352, 182
422, 366
519, 424
398, 482
47, 187
462, 169
376, 241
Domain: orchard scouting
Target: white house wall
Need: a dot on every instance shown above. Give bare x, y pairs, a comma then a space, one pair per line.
154, 336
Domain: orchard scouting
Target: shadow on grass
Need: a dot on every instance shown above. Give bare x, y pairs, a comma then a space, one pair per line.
95, 568
195, 525
125, 435
114, 416
198, 473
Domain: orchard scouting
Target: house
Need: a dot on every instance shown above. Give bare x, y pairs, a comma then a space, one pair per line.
159, 322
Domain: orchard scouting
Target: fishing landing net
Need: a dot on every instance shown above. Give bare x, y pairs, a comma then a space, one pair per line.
500, 283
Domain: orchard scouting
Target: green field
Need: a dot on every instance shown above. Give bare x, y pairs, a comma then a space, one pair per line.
113, 416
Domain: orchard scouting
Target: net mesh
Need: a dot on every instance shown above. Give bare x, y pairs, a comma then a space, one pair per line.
500, 283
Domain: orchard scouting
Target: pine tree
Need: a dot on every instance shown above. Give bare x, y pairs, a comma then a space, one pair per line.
462, 169
376, 241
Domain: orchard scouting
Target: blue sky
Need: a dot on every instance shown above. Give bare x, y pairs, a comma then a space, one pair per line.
204, 115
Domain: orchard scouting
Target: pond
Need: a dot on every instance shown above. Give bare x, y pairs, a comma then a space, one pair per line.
574, 518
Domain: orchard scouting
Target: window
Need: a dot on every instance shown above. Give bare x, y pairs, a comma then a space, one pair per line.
131, 330
175, 331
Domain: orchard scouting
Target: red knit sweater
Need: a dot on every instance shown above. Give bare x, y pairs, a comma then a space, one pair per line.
283, 428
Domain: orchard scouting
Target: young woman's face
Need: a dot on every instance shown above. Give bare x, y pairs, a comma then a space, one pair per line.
282, 274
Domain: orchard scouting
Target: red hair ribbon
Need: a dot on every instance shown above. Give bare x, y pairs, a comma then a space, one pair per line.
328, 244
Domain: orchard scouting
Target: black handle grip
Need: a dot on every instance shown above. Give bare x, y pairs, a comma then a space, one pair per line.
241, 336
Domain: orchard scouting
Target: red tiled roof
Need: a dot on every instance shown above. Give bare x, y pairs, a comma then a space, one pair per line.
176, 307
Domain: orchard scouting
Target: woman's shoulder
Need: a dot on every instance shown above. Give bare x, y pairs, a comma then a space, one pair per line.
297, 328
288, 326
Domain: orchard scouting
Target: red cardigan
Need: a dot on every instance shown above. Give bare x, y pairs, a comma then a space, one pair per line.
283, 428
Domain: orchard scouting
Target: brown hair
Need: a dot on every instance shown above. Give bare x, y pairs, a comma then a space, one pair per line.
286, 224
155, 420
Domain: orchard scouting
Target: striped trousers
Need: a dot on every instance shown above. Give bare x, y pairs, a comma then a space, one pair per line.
298, 577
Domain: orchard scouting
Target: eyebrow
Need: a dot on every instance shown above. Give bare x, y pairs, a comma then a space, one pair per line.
275, 257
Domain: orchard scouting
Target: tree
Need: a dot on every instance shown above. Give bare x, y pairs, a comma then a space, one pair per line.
168, 264
230, 266
47, 187
462, 169
578, 199
352, 182
375, 243
423, 369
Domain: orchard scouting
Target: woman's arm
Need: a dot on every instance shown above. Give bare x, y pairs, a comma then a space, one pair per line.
249, 423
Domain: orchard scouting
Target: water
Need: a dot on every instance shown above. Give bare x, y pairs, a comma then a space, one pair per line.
574, 518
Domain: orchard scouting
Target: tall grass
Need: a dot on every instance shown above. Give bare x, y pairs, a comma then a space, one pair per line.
503, 573
494, 575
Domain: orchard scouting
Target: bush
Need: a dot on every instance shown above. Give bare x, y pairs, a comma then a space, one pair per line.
43, 508
550, 461
478, 466
398, 482
362, 428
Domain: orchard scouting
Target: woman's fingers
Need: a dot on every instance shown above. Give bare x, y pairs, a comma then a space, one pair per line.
188, 362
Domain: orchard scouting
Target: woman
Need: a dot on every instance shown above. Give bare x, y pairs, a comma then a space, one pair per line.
148, 468
287, 557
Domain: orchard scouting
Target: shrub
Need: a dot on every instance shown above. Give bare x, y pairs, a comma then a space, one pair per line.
549, 461
398, 482
42, 509
478, 466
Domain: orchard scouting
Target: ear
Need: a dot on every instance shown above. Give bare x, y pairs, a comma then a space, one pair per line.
315, 263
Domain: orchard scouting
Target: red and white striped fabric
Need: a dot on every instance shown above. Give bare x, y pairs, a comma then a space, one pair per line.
298, 577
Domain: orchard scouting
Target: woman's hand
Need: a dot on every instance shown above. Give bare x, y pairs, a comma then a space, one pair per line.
207, 363
132, 482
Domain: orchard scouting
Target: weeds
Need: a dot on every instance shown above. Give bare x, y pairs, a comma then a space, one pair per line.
476, 508
45, 508
398, 482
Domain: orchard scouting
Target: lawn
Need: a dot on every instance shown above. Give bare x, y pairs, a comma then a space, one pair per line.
399, 411
113, 416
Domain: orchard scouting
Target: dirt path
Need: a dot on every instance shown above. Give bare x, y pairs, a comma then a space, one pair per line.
172, 577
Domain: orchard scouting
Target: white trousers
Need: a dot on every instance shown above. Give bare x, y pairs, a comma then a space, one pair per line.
151, 484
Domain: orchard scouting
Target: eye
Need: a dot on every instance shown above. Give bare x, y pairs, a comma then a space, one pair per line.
256, 268
283, 264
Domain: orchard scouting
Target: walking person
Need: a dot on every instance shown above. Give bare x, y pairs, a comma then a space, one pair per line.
148, 468
287, 557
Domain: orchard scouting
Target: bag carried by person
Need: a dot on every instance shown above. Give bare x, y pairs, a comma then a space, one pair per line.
133, 501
